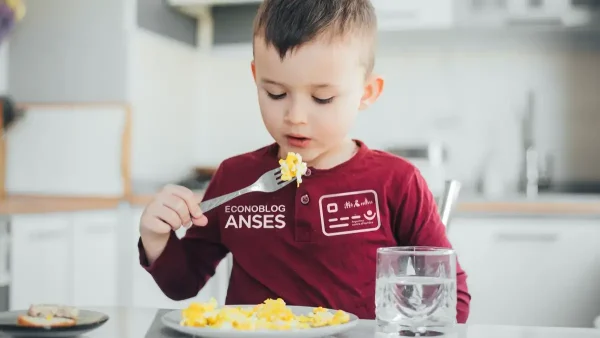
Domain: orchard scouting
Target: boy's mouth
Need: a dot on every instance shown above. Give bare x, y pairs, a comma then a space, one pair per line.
298, 141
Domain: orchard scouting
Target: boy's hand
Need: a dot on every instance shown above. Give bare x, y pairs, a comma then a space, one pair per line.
173, 207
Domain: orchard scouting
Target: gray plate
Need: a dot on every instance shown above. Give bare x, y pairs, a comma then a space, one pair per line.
173, 318
88, 320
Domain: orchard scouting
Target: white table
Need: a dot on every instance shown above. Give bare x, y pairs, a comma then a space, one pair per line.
136, 322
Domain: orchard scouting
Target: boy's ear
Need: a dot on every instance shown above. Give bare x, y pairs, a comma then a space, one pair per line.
253, 70
373, 89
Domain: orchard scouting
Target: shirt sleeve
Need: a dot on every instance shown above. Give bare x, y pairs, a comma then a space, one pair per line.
186, 264
419, 224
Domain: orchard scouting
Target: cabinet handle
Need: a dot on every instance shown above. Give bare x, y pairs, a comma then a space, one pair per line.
46, 234
513, 237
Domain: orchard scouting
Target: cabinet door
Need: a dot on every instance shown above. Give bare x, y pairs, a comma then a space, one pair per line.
41, 260
540, 9
95, 258
480, 14
530, 271
413, 14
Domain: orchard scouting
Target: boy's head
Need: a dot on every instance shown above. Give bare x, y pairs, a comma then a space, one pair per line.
313, 62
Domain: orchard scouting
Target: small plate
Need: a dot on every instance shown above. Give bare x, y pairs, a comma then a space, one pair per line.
88, 320
173, 319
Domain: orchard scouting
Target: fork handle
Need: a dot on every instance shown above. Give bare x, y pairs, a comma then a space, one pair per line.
215, 202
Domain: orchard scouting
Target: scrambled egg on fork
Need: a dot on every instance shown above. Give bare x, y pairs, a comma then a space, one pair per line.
272, 314
292, 167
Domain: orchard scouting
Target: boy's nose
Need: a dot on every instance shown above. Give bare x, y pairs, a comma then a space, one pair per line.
296, 114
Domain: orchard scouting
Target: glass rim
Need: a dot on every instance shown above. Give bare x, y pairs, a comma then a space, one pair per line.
417, 250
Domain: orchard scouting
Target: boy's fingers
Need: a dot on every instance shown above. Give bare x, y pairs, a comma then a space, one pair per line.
156, 225
178, 205
200, 221
189, 197
170, 217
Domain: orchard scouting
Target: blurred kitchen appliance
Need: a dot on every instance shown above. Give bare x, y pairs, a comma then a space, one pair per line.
536, 166
430, 159
529, 172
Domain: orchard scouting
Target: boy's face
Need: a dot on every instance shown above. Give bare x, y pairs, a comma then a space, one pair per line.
309, 101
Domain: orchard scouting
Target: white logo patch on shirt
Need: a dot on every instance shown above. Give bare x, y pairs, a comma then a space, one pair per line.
349, 213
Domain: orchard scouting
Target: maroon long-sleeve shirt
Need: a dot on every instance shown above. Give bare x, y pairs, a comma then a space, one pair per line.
313, 245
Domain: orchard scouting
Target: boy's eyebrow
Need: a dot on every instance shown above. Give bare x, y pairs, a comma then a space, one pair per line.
322, 85
319, 85
267, 81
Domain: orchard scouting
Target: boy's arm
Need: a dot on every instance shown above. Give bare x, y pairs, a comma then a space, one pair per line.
419, 224
186, 264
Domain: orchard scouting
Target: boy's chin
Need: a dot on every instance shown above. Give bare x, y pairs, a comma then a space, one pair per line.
307, 154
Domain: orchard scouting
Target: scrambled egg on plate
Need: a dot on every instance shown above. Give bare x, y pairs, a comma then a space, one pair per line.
272, 314
292, 167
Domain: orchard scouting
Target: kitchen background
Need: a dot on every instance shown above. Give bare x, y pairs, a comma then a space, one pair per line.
123, 96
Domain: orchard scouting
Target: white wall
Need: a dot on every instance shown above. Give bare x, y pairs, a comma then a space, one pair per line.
193, 109
69, 51
66, 51
469, 94
464, 90
165, 96
157, 75
230, 115
3, 67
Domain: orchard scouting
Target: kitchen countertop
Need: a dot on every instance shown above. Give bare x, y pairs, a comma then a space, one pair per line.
467, 205
473, 204
145, 323
36, 204
546, 203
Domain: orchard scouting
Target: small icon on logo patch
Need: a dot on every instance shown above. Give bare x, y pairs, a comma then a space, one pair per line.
332, 207
349, 213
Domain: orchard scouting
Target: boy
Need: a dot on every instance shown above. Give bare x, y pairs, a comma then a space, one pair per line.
313, 62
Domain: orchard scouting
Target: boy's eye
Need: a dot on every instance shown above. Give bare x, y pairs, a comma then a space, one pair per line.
276, 96
323, 101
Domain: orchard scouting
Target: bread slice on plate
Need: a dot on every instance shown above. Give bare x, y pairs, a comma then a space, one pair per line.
53, 310
25, 320
49, 316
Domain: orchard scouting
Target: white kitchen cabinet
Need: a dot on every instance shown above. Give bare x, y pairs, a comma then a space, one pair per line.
537, 10
89, 259
95, 258
396, 15
67, 258
146, 292
530, 270
40, 260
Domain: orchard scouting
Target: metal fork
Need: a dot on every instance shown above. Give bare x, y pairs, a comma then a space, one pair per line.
269, 182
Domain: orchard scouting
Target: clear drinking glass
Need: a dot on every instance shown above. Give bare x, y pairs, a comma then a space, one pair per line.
416, 292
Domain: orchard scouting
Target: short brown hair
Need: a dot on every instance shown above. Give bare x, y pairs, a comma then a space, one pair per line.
288, 24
